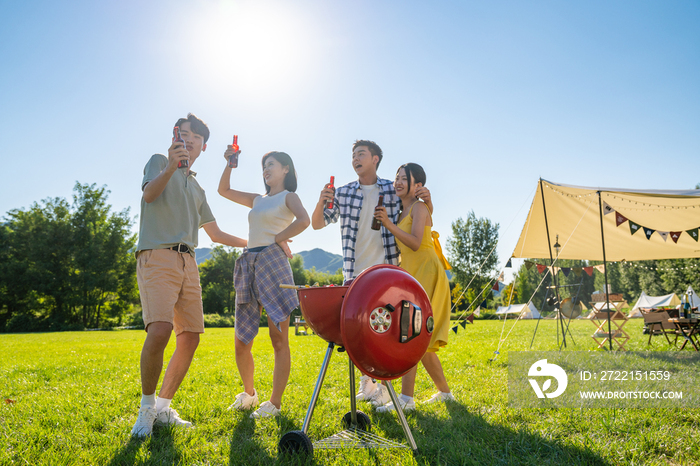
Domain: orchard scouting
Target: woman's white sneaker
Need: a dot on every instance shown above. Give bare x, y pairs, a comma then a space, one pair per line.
144, 423
407, 404
266, 409
380, 397
440, 396
170, 417
244, 401
367, 388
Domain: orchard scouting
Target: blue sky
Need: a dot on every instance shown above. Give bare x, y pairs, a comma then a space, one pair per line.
487, 96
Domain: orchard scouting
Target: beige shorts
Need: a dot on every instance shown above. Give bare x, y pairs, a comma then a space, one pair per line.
170, 291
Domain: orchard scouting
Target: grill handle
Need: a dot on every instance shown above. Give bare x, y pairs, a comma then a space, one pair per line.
410, 320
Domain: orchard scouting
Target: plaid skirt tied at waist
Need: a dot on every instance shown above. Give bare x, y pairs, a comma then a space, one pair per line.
256, 279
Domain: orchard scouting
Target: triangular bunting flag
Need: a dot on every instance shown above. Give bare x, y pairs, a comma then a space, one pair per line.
529, 264
607, 209
463, 324
478, 311
589, 271
541, 268
693, 233
509, 264
495, 286
500, 277
600, 268
554, 270
648, 232
454, 329
663, 235
619, 218
566, 270
483, 304
577, 271
675, 235
501, 286
634, 227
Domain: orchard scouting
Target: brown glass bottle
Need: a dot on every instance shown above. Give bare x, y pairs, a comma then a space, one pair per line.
376, 223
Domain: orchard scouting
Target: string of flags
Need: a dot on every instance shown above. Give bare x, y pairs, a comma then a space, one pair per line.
541, 268
648, 232
469, 319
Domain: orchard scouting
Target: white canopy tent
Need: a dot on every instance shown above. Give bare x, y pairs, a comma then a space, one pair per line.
525, 311
646, 301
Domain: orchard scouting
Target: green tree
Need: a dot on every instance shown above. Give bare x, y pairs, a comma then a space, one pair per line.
324, 278
471, 252
38, 272
62, 268
216, 278
579, 286
298, 272
103, 258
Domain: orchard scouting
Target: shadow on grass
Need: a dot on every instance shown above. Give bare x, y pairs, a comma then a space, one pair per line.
246, 447
466, 438
161, 449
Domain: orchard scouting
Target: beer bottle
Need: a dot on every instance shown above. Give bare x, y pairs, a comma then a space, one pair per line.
376, 223
233, 160
178, 138
329, 204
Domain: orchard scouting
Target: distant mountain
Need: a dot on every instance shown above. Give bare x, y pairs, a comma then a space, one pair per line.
323, 261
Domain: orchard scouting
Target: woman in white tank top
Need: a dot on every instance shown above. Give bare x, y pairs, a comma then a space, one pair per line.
274, 218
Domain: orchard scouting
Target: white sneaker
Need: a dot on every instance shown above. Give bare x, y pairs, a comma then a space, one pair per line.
144, 423
367, 388
440, 396
170, 417
380, 397
407, 404
267, 409
245, 401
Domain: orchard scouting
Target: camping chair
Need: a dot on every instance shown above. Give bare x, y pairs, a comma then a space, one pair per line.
658, 324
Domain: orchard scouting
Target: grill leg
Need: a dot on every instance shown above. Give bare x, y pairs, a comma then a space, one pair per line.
317, 389
402, 418
353, 402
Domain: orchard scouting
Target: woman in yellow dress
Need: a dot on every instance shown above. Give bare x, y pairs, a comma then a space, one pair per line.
421, 256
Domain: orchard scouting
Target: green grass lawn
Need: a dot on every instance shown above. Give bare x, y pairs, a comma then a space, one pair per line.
76, 395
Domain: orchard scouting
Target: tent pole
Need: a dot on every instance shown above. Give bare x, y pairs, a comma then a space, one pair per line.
554, 277
605, 271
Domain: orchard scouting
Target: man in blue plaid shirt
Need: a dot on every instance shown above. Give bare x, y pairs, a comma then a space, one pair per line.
363, 247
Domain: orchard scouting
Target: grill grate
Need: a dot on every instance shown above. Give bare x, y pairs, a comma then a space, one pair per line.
356, 438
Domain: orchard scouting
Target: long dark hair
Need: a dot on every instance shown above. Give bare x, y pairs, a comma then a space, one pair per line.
290, 180
415, 171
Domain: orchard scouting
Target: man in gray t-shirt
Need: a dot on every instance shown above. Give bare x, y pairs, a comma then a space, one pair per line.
173, 208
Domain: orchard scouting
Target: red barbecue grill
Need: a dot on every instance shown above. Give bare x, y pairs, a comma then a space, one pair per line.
384, 321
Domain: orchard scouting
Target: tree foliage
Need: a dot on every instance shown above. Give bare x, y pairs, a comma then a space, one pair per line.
526, 283
471, 252
216, 278
66, 267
